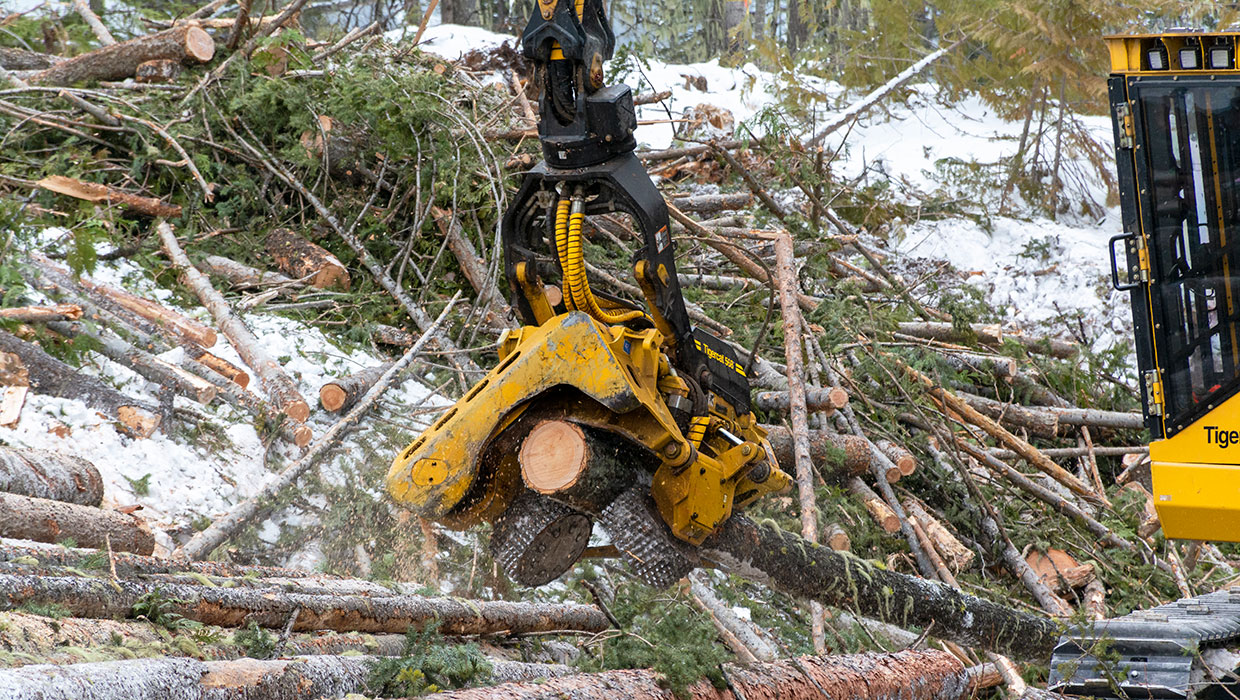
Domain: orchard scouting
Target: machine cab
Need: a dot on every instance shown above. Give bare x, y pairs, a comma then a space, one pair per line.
1175, 105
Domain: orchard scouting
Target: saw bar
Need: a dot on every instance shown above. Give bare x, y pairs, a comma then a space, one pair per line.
1152, 653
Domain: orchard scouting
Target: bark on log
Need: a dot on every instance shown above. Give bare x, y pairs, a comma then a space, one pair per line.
990, 335
836, 455
20, 59
243, 276
786, 563
50, 475
51, 377
279, 387
1038, 423
959, 557
241, 679
875, 506
743, 631
391, 335
43, 520
903, 675
42, 314
837, 538
902, 458
95, 192
92, 20
827, 400
1001, 367
184, 43
158, 71
271, 607
473, 266
219, 365
341, 394
130, 565
300, 259
713, 203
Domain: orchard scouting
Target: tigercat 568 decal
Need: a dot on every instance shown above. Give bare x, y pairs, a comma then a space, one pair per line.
719, 357
1222, 438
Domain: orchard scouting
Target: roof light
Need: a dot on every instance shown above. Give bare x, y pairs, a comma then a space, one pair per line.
1222, 57
1157, 57
1190, 58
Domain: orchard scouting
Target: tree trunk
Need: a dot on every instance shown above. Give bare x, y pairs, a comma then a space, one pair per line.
990, 335
835, 455
271, 607
20, 59
1036, 422
299, 258
43, 520
903, 675
825, 400
184, 43
574, 464
159, 71
129, 565
42, 314
874, 505
50, 475
219, 365
902, 458
243, 276
786, 563
95, 192
340, 394
959, 557
51, 377
714, 203
279, 386
473, 266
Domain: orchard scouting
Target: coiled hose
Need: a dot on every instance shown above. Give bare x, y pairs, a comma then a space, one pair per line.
570, 217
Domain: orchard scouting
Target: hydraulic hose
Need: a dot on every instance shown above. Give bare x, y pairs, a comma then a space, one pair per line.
570, 218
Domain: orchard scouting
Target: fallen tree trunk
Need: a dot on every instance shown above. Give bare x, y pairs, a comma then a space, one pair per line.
20, 59
243, 276
990, 335
168, 678
1036, 422
903, 675
874, 505
271, 607
834, 454
50, 475
51, 377
184, 43
340, 394
580, 466
713, 203
96, 192
784, 562
473, 266
301, 259
828, 399
159, 71
44, 520
42, 314
276, 383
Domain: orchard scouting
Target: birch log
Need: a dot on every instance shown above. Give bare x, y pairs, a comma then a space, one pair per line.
51, 377
51, 475
279, 386
271, 607
43, 520
184, 43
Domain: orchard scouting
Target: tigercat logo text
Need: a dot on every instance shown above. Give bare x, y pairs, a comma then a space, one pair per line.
719, 357
1222, 438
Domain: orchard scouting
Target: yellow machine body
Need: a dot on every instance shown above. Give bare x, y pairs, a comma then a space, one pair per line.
1175, 105
625, 375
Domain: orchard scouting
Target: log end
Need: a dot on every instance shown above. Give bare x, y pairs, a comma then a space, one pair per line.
302, 435
553, 456
137, 421
837, 398
199, 45
332, 397
297, 409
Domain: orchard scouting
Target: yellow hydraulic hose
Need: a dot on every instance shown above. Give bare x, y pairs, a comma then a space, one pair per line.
575, 285
561, 250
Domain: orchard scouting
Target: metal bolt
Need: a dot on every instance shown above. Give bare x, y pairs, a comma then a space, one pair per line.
672, 449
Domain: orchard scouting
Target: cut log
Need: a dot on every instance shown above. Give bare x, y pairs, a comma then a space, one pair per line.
1001, 367
14, 386
243, 276
837, 538
184, 43
473, 266
278, 386
959, 557
902, 675
42, 314
130, 565
835, 455
50, 475
902, 458
43, 520
271, 607
1036, 422
713, 203
785, 562
745, 632
990, 335
158, 71
95, 192
219, 365
581, 466
19, 59
1059, 570
167, 678
51, 377
1094, 599
391, 335
875, 506
825, 400
302, 259
340, 394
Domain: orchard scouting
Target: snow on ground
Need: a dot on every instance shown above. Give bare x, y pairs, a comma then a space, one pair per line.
195, 473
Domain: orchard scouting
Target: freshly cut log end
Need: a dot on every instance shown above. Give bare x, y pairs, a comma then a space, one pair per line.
224, 368
649, 548
199, 45
553, 456
341, 394
537, 539
302, 435
332, 397
300, 258
837, 538
875, 506
297, 409
902, 458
